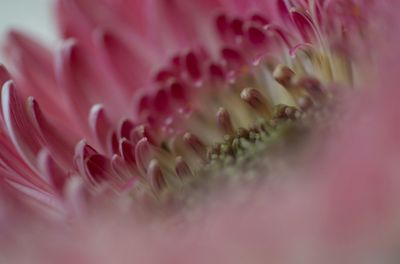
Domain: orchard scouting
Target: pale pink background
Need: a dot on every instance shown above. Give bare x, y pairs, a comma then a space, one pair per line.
33, 16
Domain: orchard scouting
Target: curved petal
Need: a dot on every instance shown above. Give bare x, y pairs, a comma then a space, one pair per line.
140, 21
73, 22
52, 171
20, 128
15, 169
61, 144
129, 66
82, 151
86, 84
31, 66
100, 125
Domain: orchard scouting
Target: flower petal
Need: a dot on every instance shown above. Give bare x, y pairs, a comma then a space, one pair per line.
52, 171
20, 128
82, 151
100, 125
85, 83
130, 66
59, 143
33, 71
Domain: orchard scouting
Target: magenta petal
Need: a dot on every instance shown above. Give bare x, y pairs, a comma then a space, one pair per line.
35, 57
72, 21
142, 155
129, 66
178, 92
127, 150
69, 72
16, 170
82, 151
112, 143
60, 144
193, 66
85, 82
222, 25
98, 168
127, 175
4, 77
100, 125
125, 128
20, 128
303, 23
52, 171
283, 9
33, 71
161, 102
256, 36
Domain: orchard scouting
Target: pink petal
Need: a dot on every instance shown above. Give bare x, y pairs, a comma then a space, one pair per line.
73, 22
303, 23
143, 155
12, 162
20, 128
124, 128
82, 151
60, 144
52, 171
127, 150
34, 75
128, 63
100, 125
86, 84
98, 168
4, 77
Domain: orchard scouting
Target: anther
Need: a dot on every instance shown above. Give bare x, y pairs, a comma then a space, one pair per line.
224, 121
257, 101
312, 86
285, 112
182, 169
305, 103
283, 75
195, 144
242, 133
156, 176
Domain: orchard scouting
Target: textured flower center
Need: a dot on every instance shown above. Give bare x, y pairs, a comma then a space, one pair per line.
212, 113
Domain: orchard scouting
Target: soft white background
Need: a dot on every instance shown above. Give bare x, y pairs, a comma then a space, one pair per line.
32, 16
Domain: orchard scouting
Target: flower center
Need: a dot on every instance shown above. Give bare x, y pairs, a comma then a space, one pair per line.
216, 116
210, 113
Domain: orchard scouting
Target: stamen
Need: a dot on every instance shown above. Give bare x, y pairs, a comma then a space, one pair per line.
286, 112
276, 99
257, 101
283, 75
313, 87
224, 121
305, 103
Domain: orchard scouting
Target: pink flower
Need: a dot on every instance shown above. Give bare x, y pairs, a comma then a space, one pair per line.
203, 131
